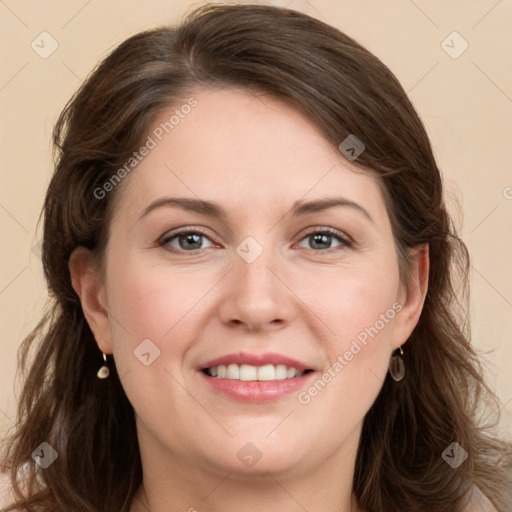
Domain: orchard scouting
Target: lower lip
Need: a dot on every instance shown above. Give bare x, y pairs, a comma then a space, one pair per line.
257, 391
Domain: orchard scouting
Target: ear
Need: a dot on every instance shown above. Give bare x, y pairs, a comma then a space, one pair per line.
88, 286
412, 295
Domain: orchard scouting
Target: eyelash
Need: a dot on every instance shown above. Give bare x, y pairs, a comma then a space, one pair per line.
345, 241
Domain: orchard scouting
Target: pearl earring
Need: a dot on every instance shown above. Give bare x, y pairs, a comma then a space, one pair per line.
104, 371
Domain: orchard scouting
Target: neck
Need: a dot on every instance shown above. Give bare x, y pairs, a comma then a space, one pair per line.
230, 496
186, 488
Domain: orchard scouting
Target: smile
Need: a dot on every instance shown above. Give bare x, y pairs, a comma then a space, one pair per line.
255, 377
248, 373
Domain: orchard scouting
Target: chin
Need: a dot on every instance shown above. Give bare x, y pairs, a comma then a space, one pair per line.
251, 456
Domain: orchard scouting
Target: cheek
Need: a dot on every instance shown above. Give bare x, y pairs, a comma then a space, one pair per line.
154, 301
359, 309
145, 310
358, 304
152, 322
157, 309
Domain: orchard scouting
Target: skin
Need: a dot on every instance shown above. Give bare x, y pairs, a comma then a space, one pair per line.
254, 156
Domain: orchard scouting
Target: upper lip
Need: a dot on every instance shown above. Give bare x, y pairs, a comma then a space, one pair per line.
256, 360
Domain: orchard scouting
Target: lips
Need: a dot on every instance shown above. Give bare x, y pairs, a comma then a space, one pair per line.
243, 358
255, 377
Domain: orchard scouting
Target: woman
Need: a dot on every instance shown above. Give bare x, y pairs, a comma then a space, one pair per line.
253, 275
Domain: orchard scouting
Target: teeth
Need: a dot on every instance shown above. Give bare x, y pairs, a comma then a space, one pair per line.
233, 371
267, 372
247, 372
289, 373
282, 373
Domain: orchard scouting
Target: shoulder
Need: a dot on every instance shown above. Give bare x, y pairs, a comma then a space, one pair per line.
478, 501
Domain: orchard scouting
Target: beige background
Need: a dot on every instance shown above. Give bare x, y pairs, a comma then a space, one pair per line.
465, 102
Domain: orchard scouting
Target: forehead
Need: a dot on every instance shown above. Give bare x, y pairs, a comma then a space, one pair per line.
244, 150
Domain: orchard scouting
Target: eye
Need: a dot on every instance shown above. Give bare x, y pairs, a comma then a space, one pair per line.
322, 239
188, 240
192, 240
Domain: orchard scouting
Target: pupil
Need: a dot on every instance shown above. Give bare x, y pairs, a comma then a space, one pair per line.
321, 238
193, 239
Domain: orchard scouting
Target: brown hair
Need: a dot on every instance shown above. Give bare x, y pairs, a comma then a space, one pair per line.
343, 89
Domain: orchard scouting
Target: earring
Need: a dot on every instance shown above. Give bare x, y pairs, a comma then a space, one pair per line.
397, 367
104, 371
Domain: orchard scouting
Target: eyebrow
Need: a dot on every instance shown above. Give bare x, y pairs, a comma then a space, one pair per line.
210, 209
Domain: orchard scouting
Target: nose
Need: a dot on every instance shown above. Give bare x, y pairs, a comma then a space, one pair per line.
256, 296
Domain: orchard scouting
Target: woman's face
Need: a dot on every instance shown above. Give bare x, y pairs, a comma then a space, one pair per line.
269, 283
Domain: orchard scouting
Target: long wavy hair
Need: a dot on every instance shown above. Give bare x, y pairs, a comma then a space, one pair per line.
342, 89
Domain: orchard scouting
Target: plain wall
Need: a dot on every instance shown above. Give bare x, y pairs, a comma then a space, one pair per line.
465, 103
